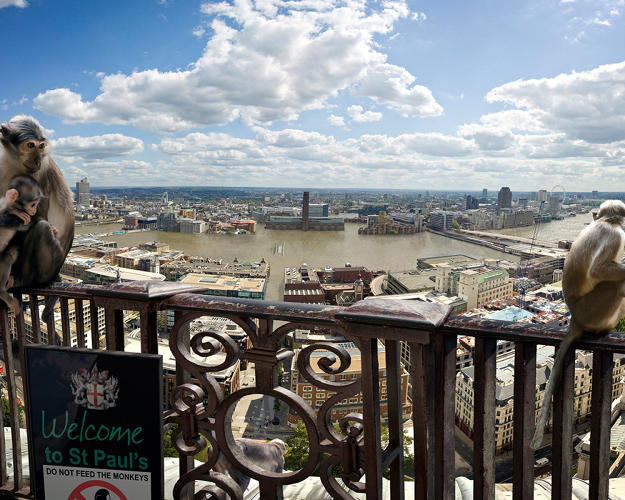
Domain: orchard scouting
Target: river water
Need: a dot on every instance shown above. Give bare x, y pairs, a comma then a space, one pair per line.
333, 248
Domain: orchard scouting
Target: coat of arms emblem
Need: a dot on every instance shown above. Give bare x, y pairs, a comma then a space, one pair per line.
93, 389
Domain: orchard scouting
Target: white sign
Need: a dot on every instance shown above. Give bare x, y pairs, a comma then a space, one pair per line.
78, 483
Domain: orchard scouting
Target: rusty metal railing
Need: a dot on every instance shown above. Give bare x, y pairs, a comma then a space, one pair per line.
201, 410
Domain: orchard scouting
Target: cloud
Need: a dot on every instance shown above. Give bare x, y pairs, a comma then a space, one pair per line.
96, 147
588, 105
393, 87
356, 113
199, 31
297, 56
337, 121
13, 3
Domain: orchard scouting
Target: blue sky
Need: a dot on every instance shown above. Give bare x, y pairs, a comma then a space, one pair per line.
322, 93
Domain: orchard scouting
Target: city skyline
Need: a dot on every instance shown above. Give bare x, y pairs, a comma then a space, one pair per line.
324, 94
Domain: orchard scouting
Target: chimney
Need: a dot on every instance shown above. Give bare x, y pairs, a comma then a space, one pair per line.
305, 204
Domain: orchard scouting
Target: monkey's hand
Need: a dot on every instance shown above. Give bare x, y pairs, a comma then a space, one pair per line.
54, 230
22, 215
11, 196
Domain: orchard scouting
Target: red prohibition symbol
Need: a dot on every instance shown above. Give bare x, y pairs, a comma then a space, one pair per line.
77, 495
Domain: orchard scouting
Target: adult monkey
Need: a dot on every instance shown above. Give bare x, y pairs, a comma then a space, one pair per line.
25, 150
593, 283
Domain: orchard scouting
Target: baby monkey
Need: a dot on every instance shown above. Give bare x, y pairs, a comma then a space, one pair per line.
18, 213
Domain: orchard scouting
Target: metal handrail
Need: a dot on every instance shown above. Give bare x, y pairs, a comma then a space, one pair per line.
432, 340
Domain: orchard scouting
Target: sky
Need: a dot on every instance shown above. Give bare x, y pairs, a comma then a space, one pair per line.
455, 95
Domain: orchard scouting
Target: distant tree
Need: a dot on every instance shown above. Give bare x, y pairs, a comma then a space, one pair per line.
455, 224
169, 450
620, 326
6, 414
297, 451
297, 448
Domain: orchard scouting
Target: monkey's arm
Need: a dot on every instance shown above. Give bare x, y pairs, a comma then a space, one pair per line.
9, 220
604, 266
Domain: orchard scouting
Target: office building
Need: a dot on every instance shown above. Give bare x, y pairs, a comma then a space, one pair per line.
477, 285
441, 220
471, 203
228, 286
307, 222
504, 198
316, 396
167, 221
504, 392
82, 193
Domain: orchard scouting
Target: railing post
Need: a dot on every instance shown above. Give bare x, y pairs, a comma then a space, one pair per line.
445, 434
80, 323
67, 336
602, 366
484, 418
95, 325
524, 420
114, 328
419, 420
395, 416
561, 445
371, 411
9, 367
149, 331
185, 462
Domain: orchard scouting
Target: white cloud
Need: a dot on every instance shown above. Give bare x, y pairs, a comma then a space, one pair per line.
13, 3
337, 121
96, 147
356, 113
588, 105
199, 31
393, 87
419, 16
601, 22
297, 57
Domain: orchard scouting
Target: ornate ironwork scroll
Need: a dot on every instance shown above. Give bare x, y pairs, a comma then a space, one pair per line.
203, 414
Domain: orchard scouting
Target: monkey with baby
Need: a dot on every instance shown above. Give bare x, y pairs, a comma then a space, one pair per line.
36, 213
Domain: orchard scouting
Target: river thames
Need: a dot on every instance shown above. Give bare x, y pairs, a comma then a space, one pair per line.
329, 248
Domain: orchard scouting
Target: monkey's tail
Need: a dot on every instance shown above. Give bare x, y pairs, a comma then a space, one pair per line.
51, 302
573, 334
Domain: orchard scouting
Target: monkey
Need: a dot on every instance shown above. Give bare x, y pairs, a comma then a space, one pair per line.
25, 150
593, 283
18, 212
268, 456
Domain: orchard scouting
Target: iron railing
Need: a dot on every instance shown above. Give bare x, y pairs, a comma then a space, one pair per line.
200, 408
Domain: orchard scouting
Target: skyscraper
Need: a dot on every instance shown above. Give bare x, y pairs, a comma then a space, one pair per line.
82, 192
504, 199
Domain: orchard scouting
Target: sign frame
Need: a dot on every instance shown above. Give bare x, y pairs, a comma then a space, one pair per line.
109, 391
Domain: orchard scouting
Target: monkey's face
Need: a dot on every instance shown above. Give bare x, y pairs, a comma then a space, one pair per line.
32, 152
31, 207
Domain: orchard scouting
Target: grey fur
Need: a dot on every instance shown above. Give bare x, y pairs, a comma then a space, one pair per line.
21, 128
268, 456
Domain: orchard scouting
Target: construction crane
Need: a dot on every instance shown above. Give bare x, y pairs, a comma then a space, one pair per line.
523, 269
